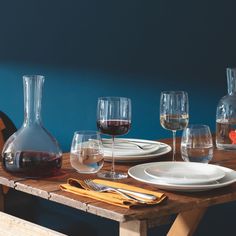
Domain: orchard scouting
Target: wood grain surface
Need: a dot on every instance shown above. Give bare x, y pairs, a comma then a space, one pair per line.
48, 188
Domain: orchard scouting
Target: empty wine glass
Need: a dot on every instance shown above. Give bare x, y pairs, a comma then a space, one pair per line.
86, 154
113, 118
174, 112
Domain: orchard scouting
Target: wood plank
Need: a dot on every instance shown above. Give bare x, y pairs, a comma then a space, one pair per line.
89, 205
31, 190
177, 202
11, 225
8, 179
133, 228
42, 187
186, 222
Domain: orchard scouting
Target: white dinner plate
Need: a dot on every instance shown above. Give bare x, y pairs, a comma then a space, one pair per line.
137, 172
130, 147
184, 172
158, 149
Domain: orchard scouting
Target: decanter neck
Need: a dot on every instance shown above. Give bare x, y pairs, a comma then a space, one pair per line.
231, 79
33, 85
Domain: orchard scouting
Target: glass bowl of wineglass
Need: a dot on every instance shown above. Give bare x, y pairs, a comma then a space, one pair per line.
174, 113
114, 119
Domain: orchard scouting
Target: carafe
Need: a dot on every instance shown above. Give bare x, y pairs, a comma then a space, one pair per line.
226, 115
32, 150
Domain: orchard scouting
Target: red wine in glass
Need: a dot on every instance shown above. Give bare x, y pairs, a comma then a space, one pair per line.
114, 127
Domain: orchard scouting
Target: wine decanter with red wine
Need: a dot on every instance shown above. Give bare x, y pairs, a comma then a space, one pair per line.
32, 151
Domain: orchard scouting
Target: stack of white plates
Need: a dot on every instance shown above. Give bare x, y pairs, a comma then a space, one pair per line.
183, 176
134, 150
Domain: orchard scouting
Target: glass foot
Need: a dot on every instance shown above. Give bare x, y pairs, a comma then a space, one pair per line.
112, 175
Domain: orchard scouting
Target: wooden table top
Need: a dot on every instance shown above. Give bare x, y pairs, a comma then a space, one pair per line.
48, 188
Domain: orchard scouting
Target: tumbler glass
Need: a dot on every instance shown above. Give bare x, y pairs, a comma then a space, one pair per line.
197, 144
86, 154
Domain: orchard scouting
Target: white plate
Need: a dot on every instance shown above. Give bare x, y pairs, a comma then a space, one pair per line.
162, 149
129, 147
137, 172
184, 172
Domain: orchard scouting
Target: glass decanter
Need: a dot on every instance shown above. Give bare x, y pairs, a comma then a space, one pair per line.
226, 115
32, 151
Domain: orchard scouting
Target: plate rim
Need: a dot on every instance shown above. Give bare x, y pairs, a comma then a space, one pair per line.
188, 188
171, 180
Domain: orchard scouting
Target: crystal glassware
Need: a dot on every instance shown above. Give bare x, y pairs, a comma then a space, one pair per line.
113, 118
226, 115
197, 144
32, 151
174, 113
86, 154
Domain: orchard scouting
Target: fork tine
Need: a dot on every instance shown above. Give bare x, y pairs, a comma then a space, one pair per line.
91, 185
87, 181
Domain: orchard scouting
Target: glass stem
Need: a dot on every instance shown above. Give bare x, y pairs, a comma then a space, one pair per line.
174, 142
112, 155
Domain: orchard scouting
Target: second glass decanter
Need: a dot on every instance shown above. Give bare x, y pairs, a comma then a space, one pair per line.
226, 115
32, 151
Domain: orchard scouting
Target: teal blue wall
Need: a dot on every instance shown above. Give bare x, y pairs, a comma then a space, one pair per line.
70, 97
133, 48
88, 49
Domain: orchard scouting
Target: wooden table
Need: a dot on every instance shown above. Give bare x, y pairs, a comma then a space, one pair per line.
189, 207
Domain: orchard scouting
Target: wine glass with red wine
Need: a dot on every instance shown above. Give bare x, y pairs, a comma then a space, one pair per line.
113, 118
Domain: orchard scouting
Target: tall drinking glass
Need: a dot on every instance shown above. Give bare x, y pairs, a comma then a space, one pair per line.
174, 112
113, 118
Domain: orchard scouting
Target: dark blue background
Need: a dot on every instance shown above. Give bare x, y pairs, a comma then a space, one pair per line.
133, 48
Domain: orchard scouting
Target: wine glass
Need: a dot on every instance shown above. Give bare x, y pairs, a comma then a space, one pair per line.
174, 113
113, 118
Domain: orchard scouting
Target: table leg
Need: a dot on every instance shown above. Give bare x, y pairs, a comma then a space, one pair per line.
133, 228
186, 222
1, 198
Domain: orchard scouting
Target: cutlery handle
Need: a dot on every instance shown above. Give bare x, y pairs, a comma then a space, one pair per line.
126, 195
142, 195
